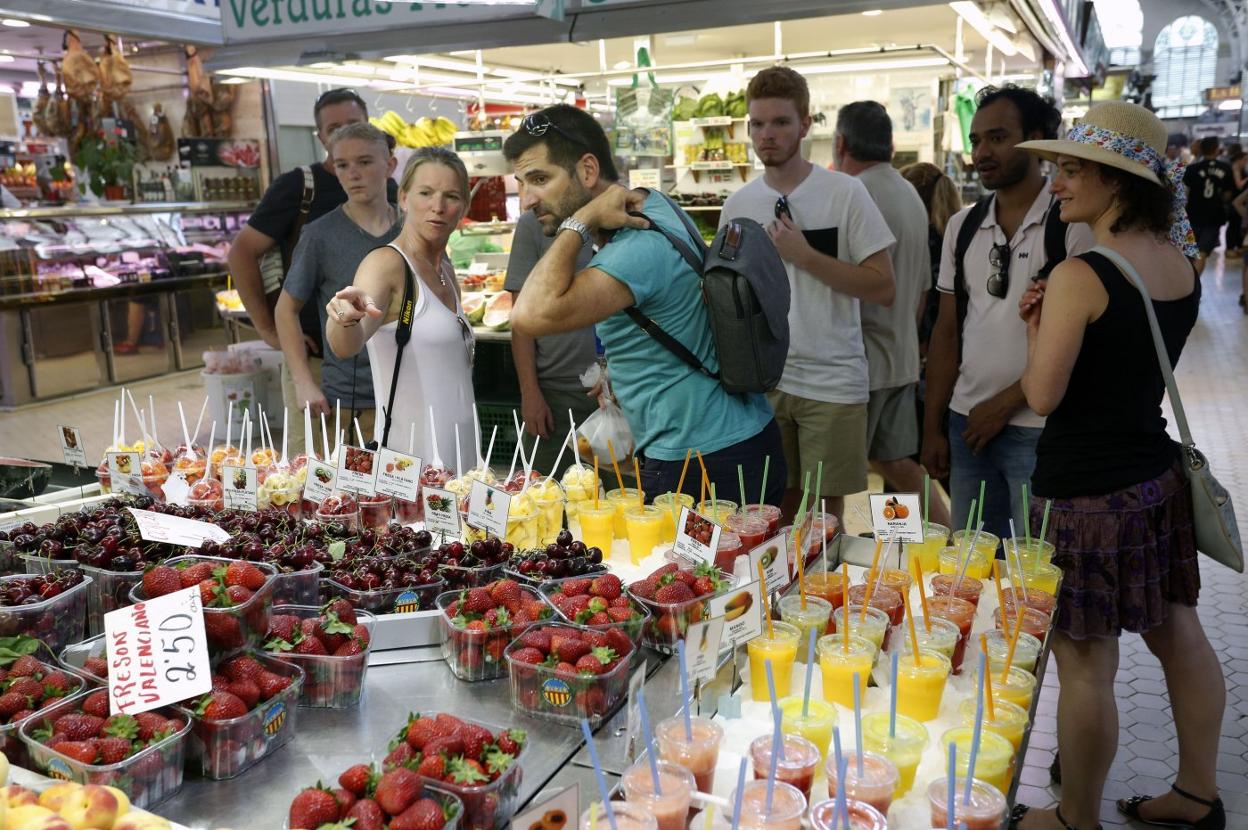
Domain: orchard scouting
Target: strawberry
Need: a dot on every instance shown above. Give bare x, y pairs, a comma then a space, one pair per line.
565, 668
357, 779
538, 638
238, 595
342, 609
432, 766
56, 684
361, 634
620, 614
476, 601
345, 799
244, 574
76, 726
350, 648
449, 745
246, 691
673, 593
28, 687
195, 574
576, 605
476, 739
594, 663
400, 755
310, 645
271, 684
120, 726
466, 771
283, 627
21, 715
220, 706
149, 723
396, 790
685, 577
645, 588
607, 586
703, 585
511, 741
84, 752
425, 814
599, 618
313, 807
114, 750
620, 602
96, 666
420, 730
535, 609
572, 587
96, 704
569, 649
223, 631
208, 592
161, 580
243, 668
367, 815
448, 724
618, 640
527, 655
505, 592
11, 703
25, 666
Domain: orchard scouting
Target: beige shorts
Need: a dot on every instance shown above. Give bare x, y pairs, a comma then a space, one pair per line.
814, 431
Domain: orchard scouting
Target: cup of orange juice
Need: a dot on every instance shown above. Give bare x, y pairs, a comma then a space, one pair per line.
643, 526
777, 643
839, 666
920, 687
621, 500
597, 525
671, 505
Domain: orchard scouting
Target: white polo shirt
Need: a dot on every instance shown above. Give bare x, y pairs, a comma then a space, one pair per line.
994, 337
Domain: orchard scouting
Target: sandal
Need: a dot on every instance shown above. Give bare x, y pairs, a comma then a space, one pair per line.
1215, 819
1020, 810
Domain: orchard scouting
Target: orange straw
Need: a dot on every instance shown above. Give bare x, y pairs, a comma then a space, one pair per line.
914, 635
996, 576
918, 578
680, 485
595, 481
866, 600
762, 587
641, 497
1018, 629
615, 464
845, 600
988, 704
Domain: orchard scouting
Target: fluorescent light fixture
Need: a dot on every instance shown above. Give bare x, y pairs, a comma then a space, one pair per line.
305, 77
873, 13
7, 59
14, 23
1052, 12
872, 66
234, 80
1231, 104
979, 21
623, 65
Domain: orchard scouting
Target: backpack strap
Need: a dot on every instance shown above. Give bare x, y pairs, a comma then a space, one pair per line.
961, 296
301, 219
402, 334
1054, 240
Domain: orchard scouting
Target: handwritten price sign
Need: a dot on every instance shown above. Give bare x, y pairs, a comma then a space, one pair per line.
157, 653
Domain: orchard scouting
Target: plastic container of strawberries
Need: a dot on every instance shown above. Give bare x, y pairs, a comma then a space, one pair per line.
329, 682
230, 629
225, 748
452, 807
389, 600
298, 587
74, 657
634, 628
147, 777
542, 692
57, 621
477, 655
10, 743
109, 590
668, 621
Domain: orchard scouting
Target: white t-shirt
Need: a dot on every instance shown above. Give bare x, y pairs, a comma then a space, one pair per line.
827, 360
994, 337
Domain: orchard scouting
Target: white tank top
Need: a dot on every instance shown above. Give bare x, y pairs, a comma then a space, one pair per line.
436, 370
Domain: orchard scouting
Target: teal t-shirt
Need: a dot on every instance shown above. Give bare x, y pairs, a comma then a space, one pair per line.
670, 407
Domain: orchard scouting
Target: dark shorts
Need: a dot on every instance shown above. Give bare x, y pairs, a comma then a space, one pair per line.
658, 477
1208, 237
1125, 557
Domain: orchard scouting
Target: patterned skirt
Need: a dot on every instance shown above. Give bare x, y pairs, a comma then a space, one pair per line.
1124, 556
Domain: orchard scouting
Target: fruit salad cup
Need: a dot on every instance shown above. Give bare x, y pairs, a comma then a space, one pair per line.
579, 486
191, 464
434, 476
523, 522
281, 489
548, 497
207, 493
409, 512
376, 511
341, 509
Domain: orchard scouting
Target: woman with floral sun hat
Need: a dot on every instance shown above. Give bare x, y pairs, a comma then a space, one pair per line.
1122, 510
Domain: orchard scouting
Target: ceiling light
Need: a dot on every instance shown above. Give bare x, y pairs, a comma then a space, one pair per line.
14, 23
234, 80
7, 59
623, 65
873, 13
1231, 104
1076, 68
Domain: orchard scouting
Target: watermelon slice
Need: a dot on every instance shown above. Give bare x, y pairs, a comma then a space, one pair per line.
474, 307
497, 314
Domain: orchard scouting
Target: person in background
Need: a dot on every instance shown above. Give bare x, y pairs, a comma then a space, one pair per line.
436, 366
864, 149
1238, 160
1210, 186
940, 197
977, 425
275, 224
329, 252
568, 179
1121, 517
548, 368
834, 242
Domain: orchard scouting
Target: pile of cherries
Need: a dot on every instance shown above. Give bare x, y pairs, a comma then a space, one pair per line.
562, 558
105, 536
30, 590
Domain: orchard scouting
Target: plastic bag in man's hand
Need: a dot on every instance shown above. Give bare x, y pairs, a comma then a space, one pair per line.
606, 424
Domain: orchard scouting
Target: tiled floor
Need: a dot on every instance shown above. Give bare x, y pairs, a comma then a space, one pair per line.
1216, 397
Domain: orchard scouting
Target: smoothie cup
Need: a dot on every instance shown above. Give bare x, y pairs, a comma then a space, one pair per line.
788, 805
1018, 687
1032, 598
985, 811
920, 688
1010, 721
670, 806
751, 529
780, 647
875, 785
621, 500
796, 767
1035, 622
671, 505
597, 525
839, 667
376, 511
969, 588
644, 528
995, 762
959, 612
627, 817
814, 617
883, 597
862, 816
904, 748
953, 558
815, 726
936, 634
730, 548
928, 553
873, 627
765, 511
897, 579
722, 509
1043, 577
987, 544
1025, 653
699, 755
829, 585
1039, 552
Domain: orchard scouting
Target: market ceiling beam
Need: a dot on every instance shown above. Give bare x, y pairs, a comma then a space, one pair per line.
200, 24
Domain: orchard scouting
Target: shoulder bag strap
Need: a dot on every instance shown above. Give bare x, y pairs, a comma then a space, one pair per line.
301, 219
1054, 240
962, 243
402, 335
1163, 357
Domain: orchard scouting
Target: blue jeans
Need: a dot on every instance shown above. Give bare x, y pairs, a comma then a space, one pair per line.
659, 477
1006, 464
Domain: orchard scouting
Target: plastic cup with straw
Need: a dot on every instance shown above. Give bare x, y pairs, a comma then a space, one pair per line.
604, 792
649, 735
976, 731
684, 689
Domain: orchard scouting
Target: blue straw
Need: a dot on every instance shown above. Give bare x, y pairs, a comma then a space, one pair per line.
892, 699
841, 768
645, 730
977, 731
603, 791
951, 791
858, 717
810, 672
684, 689
736, 803
778, 747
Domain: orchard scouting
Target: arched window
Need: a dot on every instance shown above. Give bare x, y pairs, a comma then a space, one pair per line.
1122, 24
1185, 58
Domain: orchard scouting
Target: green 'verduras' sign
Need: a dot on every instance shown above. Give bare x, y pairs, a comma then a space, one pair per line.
246, 20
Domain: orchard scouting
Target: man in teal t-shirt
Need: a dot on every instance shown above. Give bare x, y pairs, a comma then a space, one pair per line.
568, 179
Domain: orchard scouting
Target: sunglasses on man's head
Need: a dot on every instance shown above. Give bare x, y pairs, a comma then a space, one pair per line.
998, 284
539, 123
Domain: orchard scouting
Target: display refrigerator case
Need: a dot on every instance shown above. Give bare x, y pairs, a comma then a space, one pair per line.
97, 294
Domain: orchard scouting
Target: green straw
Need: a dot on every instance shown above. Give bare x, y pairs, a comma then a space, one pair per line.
980, 517
741, 482
927, 489
1026, 516
762, 496
970, 518
1044, 522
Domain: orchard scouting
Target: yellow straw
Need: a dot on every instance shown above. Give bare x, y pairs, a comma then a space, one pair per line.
710, 815
762, 586
595, 481
918, 578
996, 576
914, 635
1018, 629
680, 485
611, 451
641, 497
593, 816
866, 600
988, 704
845, 600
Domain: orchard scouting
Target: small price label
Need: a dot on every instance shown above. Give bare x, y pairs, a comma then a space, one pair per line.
398, 474
742, 611
487, 508
357, 471
774, 556
239, 487
702, 648
72, 448
319, 484
897, 516
157, 653
697, 537
175, 530
441, 512
125, 473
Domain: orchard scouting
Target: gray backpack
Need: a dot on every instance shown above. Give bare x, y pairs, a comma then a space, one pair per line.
746, 290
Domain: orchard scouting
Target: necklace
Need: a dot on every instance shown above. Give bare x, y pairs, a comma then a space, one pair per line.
437, 269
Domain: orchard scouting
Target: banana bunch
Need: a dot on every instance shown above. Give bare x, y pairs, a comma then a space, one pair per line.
426, 132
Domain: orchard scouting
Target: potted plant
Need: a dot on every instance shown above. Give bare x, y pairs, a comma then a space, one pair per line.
108, 165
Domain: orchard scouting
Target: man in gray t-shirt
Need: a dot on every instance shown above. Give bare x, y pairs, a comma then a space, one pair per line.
548, 367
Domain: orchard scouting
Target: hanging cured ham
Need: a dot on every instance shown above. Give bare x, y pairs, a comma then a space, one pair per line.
82, 74
115, 74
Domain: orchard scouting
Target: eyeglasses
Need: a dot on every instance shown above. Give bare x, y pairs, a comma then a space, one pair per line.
782, 207
539, 123
470, 340
998, 284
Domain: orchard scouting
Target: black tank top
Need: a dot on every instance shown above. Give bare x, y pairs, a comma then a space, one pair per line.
1108, 432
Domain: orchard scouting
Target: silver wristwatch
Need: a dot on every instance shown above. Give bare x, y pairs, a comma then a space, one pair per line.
581, 229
